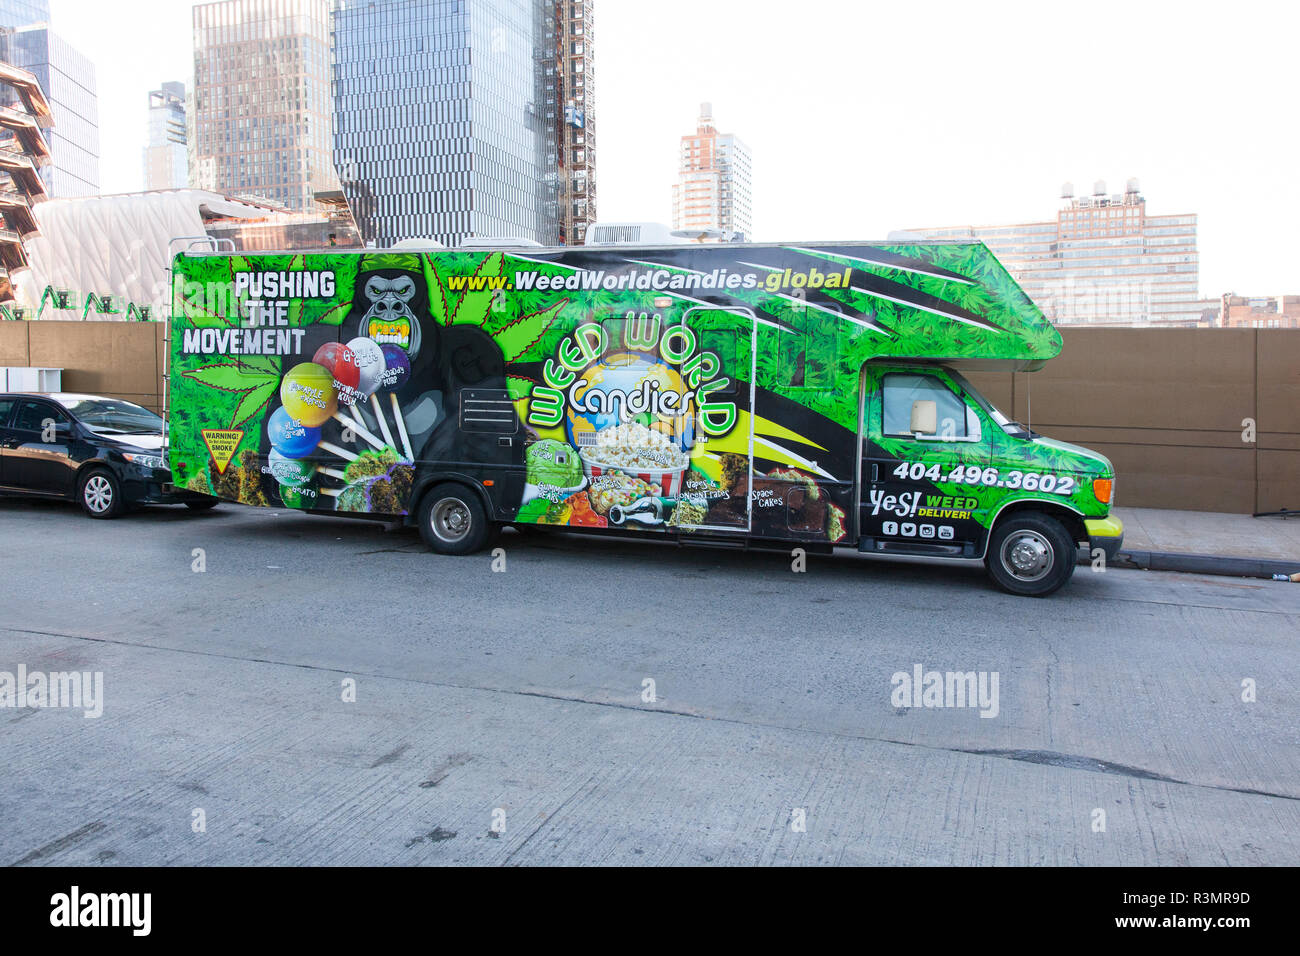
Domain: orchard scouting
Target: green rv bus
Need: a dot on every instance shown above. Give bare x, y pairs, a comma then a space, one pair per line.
801, 395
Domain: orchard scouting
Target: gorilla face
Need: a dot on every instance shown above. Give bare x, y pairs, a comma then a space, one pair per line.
389, 317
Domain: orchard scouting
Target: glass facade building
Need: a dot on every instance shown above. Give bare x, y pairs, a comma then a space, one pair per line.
262, 126
68, 79
437, 126
21, 13
166, 162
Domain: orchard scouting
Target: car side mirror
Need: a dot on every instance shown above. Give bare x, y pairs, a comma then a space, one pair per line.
63, 430
925, 417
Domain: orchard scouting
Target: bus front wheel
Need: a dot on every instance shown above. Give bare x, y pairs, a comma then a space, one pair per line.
1030, 554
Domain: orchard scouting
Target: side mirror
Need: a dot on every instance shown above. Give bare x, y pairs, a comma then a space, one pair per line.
925, 417
63, 430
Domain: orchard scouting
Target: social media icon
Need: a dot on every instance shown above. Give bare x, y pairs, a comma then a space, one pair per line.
889, 527
945, 532
927, 531
909, 531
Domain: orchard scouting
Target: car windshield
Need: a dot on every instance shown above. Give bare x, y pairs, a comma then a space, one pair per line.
110, 415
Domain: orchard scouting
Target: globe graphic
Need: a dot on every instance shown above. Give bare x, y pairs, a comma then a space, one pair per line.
621, 375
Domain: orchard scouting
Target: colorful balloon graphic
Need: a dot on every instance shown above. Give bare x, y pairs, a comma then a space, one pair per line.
397, 368
289, 471
308, 394
370, 362
290, 437
342, 362
301, 497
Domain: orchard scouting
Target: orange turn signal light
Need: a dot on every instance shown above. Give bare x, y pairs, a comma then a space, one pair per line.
1101, 489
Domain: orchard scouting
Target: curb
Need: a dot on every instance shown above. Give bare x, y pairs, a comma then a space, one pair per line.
1205, 564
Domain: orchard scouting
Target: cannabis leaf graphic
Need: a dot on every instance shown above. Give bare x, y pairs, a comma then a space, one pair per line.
473, 307
437, 292
520, 335
255, 379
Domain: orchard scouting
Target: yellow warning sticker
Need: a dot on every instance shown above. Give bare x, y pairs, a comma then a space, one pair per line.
222, 443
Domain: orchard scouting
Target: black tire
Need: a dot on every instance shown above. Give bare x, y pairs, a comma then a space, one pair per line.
452, 520
202, 504
100, 494
1030, 554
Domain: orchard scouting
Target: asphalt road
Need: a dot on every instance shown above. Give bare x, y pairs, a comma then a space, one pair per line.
501, 717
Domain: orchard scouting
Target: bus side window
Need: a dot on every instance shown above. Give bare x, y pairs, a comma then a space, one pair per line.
820, 357
806, 361
790, 360
901, 391
616, 350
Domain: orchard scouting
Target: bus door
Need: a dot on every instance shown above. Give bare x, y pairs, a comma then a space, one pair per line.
714, 353
923, 461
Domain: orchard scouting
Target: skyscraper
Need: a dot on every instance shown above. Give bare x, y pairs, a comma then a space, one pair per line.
568, 114
714, 188
68, 79
166, 165
439, 131
21, 13
262, 123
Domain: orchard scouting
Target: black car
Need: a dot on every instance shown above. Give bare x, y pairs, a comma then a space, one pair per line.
105, 453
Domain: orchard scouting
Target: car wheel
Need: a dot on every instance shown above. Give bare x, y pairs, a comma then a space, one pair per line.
202, 504
1030, 554
452, 520
100, 494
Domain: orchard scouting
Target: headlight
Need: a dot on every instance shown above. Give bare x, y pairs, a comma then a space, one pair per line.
146, 461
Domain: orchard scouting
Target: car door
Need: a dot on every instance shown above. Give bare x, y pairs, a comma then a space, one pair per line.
6, 436
924, 458
38, 453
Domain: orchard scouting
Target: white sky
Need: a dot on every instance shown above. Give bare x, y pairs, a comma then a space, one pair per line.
869, 116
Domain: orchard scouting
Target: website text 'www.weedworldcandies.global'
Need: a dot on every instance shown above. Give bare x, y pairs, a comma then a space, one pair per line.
652, 280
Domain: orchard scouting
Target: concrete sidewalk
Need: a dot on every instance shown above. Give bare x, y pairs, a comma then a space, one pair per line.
1209, 542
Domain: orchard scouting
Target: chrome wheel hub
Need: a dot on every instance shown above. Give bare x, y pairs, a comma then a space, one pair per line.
451, 519
1027, 555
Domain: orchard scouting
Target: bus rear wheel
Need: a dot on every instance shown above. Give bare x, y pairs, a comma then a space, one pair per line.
1030, 554
452, 520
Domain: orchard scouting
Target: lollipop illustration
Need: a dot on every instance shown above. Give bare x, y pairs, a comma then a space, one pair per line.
342, 364
378, 479
308, 394
371, 362
290, 437
292, 472
397, 369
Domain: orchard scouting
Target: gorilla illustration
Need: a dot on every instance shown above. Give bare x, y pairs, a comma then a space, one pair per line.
449, 364
388, 317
